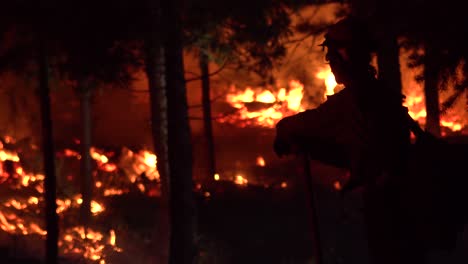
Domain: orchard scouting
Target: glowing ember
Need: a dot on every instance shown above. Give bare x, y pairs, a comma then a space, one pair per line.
337, 185
240, 180
88, 243
284, 185
216, 177
260, 161
100, 158
140, 163
96, 208
111, 192
22, 215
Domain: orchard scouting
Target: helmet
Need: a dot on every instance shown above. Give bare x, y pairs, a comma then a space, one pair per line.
349, 32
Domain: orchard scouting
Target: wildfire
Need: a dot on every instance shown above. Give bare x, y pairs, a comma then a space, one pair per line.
21, 215
273, 105
264, 107
417, 110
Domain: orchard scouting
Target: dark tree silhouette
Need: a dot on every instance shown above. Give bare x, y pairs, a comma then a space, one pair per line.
30, 44
182, 210
49, 155
207, 115
155, 71
90, 53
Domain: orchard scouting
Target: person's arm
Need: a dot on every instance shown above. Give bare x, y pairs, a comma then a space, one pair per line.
293, 130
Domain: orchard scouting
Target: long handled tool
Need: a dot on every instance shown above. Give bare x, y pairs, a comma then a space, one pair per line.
313, 211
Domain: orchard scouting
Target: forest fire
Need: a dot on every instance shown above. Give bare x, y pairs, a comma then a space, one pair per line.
262, 107
23, 213
417, 111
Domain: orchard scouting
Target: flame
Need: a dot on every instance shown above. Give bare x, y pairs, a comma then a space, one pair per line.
100, 158
240, 180
112, 237
22, 215
216, 177
417, 110
289, 101
453, 120
8, 155
142, 162
276, 105
96, 208
330, 83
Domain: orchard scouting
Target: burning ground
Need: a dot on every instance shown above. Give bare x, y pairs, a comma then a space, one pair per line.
249, 169
252, 210
22, 202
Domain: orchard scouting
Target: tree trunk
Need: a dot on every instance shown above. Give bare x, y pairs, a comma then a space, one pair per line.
86, 169
49, 159
155, 72
431, 92
182, 209
206, 105
389, 61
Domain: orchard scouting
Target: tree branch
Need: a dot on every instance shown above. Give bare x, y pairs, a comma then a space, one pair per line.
209, 75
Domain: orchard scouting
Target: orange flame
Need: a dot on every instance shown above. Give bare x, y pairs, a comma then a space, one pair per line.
20, 215
275, 105
329, 79
240, 180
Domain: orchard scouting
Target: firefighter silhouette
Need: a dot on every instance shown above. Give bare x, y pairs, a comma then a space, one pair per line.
366, 128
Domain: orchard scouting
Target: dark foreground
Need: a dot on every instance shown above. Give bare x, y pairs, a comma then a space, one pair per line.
252, 224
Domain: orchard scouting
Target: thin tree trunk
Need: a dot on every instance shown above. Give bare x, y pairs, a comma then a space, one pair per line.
155, 72
49, 159
182, 208
431, 92
207, 120
86, 170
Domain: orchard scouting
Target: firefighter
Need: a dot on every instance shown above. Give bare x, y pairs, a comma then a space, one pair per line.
367, 119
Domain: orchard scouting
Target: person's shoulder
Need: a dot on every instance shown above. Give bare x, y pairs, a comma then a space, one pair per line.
344, 93
337, 101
